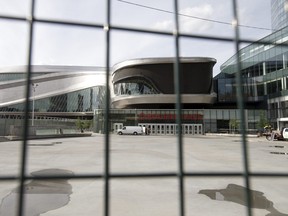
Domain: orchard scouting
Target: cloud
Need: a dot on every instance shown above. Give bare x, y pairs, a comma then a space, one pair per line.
164, 25
189, 21
127, 45
188, 24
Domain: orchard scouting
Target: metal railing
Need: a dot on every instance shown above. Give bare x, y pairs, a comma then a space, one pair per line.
31, 20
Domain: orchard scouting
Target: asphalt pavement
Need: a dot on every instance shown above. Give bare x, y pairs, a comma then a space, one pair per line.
141, 155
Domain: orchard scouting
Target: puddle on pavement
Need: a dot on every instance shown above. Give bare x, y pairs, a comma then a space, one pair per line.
279, 153
40, 195
236, 193
277, 146
40, 144
44, 144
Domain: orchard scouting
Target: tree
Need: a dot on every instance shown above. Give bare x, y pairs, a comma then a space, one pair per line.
83, 124
263, 121
233, 125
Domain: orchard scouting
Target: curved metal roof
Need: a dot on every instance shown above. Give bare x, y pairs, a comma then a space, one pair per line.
124, 101
49, 68
51, 81
164, 60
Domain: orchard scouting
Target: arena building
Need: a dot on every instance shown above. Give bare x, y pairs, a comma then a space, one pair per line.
142, 93
149, 83
56, 90
59, 95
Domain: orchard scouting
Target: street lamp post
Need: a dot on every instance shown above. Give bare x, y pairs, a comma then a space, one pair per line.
34, 85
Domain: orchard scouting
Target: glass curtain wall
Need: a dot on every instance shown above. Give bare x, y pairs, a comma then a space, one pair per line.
213, 120
85, 100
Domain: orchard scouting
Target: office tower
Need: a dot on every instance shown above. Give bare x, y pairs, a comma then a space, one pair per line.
279, 14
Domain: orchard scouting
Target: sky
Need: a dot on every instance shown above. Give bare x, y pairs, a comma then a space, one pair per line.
70, 45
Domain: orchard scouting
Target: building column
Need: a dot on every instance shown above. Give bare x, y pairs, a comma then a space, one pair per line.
264, 73
284, 84
284, 61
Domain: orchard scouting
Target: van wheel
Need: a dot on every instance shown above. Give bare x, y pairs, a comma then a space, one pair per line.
120, 133
135, 133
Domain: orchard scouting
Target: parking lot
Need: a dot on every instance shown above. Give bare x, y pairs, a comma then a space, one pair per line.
146, 196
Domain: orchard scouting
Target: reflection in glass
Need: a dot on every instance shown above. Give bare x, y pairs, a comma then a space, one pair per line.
135, 87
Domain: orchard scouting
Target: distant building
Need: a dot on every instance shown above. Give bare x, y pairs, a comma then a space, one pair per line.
142, 93
58, 90
279, 14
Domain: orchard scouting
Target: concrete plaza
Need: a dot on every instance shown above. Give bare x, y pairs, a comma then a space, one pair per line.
145, 196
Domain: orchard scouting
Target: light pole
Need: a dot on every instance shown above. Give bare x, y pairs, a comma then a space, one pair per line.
34, 85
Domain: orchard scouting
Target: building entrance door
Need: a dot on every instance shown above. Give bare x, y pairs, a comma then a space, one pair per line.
153, 130
172, 129
161, 129
198, 129
187, 129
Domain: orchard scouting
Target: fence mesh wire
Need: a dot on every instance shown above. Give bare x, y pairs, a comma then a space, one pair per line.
31, 20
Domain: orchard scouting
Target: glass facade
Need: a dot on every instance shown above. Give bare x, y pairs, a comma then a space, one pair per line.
264, 72
55, 89
134, 86
212, 120
85, 100
226, 89
253, 89
279, 15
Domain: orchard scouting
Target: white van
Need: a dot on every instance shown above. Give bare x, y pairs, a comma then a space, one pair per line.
135, 130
